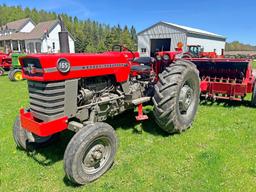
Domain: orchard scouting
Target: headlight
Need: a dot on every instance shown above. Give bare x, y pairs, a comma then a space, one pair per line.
158, 58
166, 57
63, 65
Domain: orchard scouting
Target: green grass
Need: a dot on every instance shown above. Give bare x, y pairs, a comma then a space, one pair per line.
254, 64
217, 154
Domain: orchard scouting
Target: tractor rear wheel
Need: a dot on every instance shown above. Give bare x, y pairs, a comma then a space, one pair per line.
176, 96
16, 75
90, 153
253, 100
24, 138
1, 71
186, 56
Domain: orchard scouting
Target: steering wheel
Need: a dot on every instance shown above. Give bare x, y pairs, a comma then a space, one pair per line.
121, 48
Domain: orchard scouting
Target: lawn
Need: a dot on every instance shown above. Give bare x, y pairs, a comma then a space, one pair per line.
217, 154
254, 64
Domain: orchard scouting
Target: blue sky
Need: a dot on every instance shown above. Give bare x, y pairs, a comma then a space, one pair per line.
231, 18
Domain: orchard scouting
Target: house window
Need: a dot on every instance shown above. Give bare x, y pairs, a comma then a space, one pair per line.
143, 50
38, 47
15, 46
53, 45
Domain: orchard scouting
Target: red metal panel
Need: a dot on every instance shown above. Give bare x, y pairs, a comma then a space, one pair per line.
49, 61
42, 129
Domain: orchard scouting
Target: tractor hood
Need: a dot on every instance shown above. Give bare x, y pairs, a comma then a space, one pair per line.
57, 67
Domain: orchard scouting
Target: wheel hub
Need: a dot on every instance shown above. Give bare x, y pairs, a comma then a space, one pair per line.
95, 155
186, 97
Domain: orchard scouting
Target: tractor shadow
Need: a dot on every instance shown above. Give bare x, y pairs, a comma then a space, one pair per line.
127, 121
54, 152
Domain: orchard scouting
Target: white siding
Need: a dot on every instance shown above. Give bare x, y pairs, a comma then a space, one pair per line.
28, 27
54, 38
160, 31
209, 45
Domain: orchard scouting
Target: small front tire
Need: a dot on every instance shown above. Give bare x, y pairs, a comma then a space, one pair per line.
1, 71
90, 153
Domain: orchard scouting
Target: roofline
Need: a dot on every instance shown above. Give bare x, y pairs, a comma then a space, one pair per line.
29, 19
50, 30
187, 31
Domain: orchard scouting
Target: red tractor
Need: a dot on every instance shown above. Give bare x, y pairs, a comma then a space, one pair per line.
196, 51
79, 92
5, 63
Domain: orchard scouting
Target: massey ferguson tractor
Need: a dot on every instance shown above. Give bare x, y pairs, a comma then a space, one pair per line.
79, 92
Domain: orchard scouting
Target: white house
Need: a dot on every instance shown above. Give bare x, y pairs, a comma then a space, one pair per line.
25, 36
165, 36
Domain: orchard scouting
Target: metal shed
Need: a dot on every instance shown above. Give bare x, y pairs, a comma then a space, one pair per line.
164, 36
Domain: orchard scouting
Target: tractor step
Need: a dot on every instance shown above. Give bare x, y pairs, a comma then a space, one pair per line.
140, 100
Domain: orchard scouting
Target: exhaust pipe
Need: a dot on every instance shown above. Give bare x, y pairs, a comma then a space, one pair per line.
63, 37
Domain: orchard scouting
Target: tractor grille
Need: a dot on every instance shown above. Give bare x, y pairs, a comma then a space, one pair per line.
47, 99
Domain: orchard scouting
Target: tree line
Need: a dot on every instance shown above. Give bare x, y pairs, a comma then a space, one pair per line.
90, 36
237, 46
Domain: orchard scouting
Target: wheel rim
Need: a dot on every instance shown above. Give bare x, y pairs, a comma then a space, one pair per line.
18, 76
96, 155
187, 98
1, 72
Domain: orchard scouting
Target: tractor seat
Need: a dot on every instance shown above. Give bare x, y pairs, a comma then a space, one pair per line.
144, 60
144, 64
140, 68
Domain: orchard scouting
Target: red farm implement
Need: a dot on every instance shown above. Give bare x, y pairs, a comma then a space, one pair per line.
221, 78
229, 79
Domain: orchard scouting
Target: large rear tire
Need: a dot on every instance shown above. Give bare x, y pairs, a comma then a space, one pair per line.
24, 138
186, 56
176, 96
16, 75
90, 153
253, 100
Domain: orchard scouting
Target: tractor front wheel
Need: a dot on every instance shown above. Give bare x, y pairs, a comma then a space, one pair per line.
90, 153
1, 71
176, 96
24, 138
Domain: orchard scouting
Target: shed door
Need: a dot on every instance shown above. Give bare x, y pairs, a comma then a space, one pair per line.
159, 45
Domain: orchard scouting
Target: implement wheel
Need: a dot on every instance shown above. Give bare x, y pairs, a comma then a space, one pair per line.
1, 71
90, 153
24, 138
16, 75
176, 96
